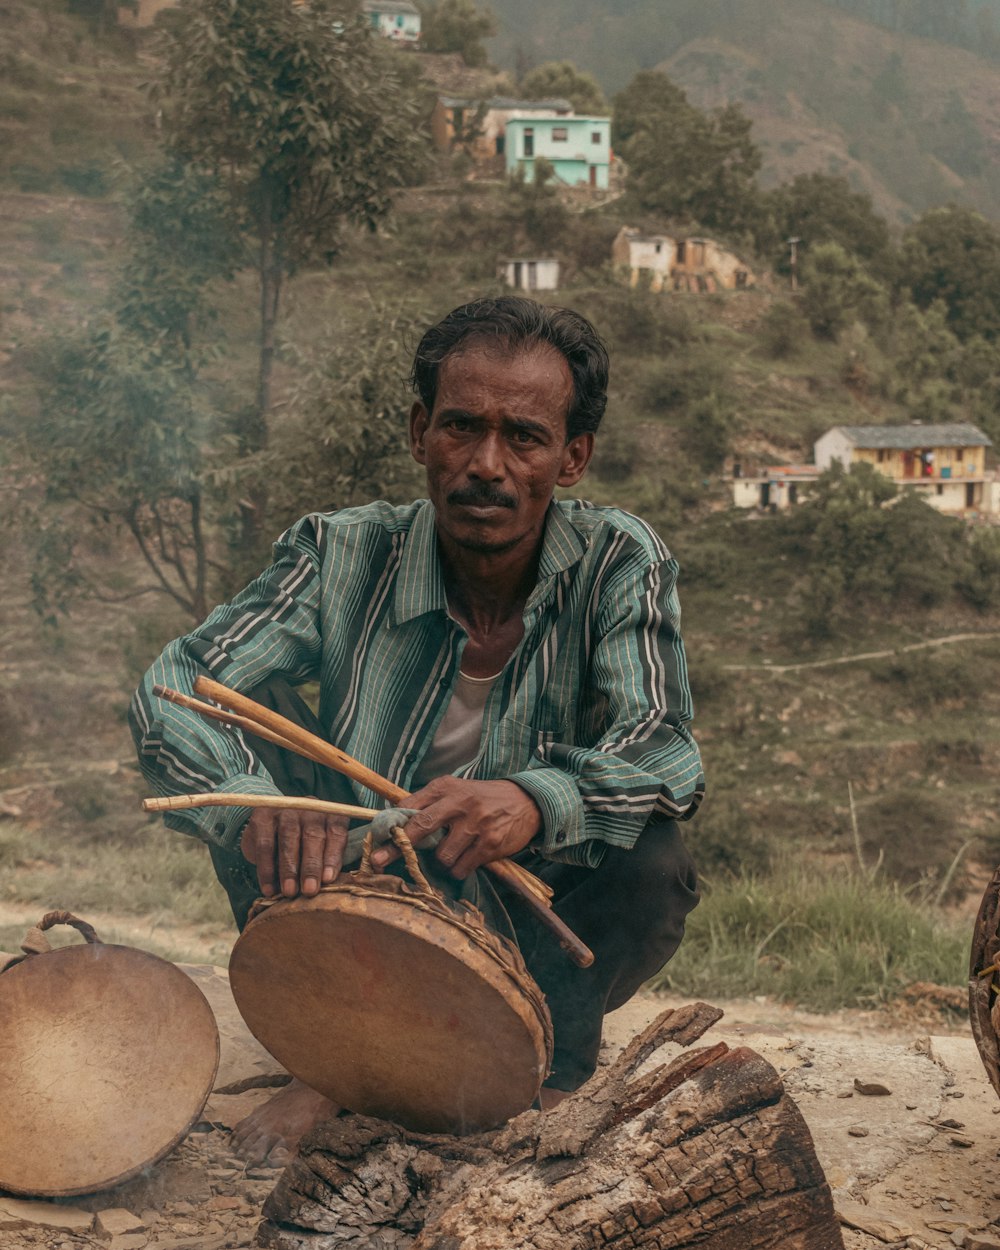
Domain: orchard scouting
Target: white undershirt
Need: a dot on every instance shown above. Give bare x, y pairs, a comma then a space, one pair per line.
456, 742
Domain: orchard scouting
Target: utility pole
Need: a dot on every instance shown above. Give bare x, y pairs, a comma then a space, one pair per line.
793, 245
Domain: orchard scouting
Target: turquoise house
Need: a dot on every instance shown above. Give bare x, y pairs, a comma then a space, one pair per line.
578, 148
398, 20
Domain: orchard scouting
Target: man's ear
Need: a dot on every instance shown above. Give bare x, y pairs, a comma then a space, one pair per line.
419, 421
576, 456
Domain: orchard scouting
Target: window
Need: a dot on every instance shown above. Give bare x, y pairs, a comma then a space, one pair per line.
560, 134
659, 248
595, 136
529, 141
881, 455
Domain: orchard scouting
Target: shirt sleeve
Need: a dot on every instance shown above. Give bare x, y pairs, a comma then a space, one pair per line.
645, 761
271, 628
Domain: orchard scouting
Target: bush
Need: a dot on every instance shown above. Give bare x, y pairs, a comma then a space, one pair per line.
783, 331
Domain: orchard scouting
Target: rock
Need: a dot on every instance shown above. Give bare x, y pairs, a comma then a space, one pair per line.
129, 1241
27, 1213
220, 1203
976, 1241
869, 1219
965, 1143
857, 1130
117, 1222
871, 1089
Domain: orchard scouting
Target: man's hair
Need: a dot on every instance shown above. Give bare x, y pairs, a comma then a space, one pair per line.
514, 325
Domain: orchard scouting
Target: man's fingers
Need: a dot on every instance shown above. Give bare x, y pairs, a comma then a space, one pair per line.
333, 847
313, 847
454, 847
258, 845
289, 851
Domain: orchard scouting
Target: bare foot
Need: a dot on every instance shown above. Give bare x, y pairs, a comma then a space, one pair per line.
271, 1133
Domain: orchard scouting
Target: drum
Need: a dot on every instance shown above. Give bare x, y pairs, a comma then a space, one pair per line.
109, 1055
394, 1002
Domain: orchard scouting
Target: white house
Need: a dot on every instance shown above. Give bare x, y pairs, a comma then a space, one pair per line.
530, 274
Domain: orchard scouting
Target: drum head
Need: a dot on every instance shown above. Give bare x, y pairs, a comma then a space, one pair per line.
392, 1009
109, 1055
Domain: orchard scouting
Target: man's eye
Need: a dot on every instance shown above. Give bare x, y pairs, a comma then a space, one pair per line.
524, 436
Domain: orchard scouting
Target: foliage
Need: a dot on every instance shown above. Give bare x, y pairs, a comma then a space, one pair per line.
347, 440
562, 80
837, 291
684, 163
538, 217
456, 26
119, 441
300, 113
952, 254
861, 542
822, 208
783, 330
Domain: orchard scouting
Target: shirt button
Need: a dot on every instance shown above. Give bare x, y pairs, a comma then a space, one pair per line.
560, 836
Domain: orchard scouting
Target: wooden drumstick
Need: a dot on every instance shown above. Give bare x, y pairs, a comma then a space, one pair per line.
517, 879
217, 798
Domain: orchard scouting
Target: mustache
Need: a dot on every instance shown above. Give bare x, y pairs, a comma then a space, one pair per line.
484, 496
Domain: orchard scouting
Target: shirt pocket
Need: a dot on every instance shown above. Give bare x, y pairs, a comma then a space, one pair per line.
518, 742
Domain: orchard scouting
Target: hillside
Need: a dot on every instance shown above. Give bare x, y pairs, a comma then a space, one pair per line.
911, 120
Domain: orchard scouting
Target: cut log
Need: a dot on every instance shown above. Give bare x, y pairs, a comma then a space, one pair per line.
984, 978
707, 1150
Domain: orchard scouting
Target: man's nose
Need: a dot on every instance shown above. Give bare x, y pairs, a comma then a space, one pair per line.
487, 463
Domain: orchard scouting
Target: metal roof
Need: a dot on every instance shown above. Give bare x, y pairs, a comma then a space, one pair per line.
904, 437
505, 102
389, 6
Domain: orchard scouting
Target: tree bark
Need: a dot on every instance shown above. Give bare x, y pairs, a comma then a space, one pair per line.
707, 1150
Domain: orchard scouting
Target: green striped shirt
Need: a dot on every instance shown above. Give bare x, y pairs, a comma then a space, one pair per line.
589, 716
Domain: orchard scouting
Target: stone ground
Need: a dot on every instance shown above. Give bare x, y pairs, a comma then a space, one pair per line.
904, 1121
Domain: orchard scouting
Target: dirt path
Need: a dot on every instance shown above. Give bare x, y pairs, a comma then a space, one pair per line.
857, 658
911, 1167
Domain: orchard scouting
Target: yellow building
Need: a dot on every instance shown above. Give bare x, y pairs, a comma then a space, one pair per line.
945, 463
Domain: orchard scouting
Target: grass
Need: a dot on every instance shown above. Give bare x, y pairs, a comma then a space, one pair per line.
819, 938
157, 874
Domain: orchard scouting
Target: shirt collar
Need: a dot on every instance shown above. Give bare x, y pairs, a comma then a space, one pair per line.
420, 585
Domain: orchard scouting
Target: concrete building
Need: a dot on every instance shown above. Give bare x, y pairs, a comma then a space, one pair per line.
479, 127
578, 148
530, 274
398, 20
775, 488
666, 263
945, 463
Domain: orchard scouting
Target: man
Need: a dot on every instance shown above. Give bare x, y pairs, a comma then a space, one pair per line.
514, 660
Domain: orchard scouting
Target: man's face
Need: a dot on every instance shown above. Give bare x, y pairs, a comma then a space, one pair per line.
495, 446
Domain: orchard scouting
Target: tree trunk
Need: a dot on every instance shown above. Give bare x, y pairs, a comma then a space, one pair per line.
705, 1151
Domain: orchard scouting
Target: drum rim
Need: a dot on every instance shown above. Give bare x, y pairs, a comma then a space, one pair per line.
21, 968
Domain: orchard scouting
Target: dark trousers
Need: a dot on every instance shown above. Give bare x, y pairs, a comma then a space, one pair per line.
630, 910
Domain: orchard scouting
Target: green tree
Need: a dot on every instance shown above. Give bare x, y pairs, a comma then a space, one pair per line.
823, 208
120, 440
952, 254
686, 164
456, 26
300, 115
562, 80
837, 291
124, 435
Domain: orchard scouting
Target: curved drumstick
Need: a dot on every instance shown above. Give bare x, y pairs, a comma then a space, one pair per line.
253, 717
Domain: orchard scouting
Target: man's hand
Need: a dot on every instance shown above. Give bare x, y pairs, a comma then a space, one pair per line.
294, 851
484, 821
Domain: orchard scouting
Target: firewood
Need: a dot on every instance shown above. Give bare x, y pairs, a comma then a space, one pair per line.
706, 1150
